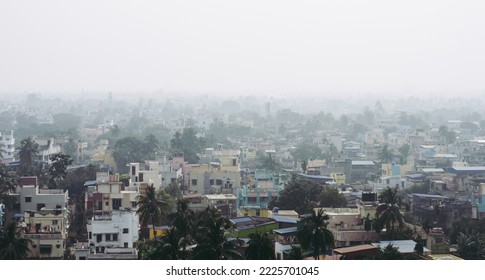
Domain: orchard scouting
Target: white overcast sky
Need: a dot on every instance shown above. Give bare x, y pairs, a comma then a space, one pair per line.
312, 47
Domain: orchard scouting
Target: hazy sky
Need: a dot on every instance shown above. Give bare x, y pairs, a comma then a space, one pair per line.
313, 47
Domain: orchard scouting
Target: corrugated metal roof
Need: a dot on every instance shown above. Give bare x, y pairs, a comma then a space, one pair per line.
362, 162
285, 219
90, 183
286, 231
433, 170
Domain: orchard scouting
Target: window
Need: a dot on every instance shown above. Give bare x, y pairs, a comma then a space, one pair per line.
141, 177
107, 203
125, 244
28, 199
108, 237
234, 162
90, 235
40, 206
211, 182
125, 230
133, 171
116, 203
45, 249
133, 204
99, 238
54, 222
115, 237
194, 182
218, 182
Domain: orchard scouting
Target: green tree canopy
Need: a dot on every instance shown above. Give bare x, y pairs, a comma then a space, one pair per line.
313, 233
330, 197
388, 211
300, 195
27, 155
58, 169
13, 244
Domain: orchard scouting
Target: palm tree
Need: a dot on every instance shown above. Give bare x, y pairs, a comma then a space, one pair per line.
385, 155
388, 211
260, 247
183, 221
7, 186
470, 246
315, 235
212, 243
13, 245
295, 253
165, 248
150, 207
27, 153
2, 150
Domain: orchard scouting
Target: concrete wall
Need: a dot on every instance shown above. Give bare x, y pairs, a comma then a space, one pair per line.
114, 224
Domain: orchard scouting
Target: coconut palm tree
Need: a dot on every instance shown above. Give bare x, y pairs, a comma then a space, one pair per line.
314, 233
150, 207
27, 153
385, 154
164, 248
295, 253
183, 221
260, 247
470, 246
212, 243
13, 244
7, 185
388, 211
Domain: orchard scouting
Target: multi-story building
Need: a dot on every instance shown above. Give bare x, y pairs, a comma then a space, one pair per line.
211, 179
45, 218
7, 147
113, 224
30, 197
107, 195
47, 229
115, 229
47, 147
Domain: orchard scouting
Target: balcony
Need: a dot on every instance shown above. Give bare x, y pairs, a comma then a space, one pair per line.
44, 236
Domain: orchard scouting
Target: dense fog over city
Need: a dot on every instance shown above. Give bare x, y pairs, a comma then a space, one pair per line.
343, 48
231, 130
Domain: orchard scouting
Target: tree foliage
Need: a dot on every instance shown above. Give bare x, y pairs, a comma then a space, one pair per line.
132, 149
260, 247
187, 144
314, 235
305, 151
27, 155
331, 197
388, 212
13, 244
150, 207
58, 169
300, 195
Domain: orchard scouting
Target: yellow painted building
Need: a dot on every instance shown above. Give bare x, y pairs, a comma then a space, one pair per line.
47, 229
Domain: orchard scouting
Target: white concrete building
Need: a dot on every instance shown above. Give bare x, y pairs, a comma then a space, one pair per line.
32, 198
118, 229
7, 145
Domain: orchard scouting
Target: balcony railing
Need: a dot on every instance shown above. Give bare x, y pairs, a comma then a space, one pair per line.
44, 236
